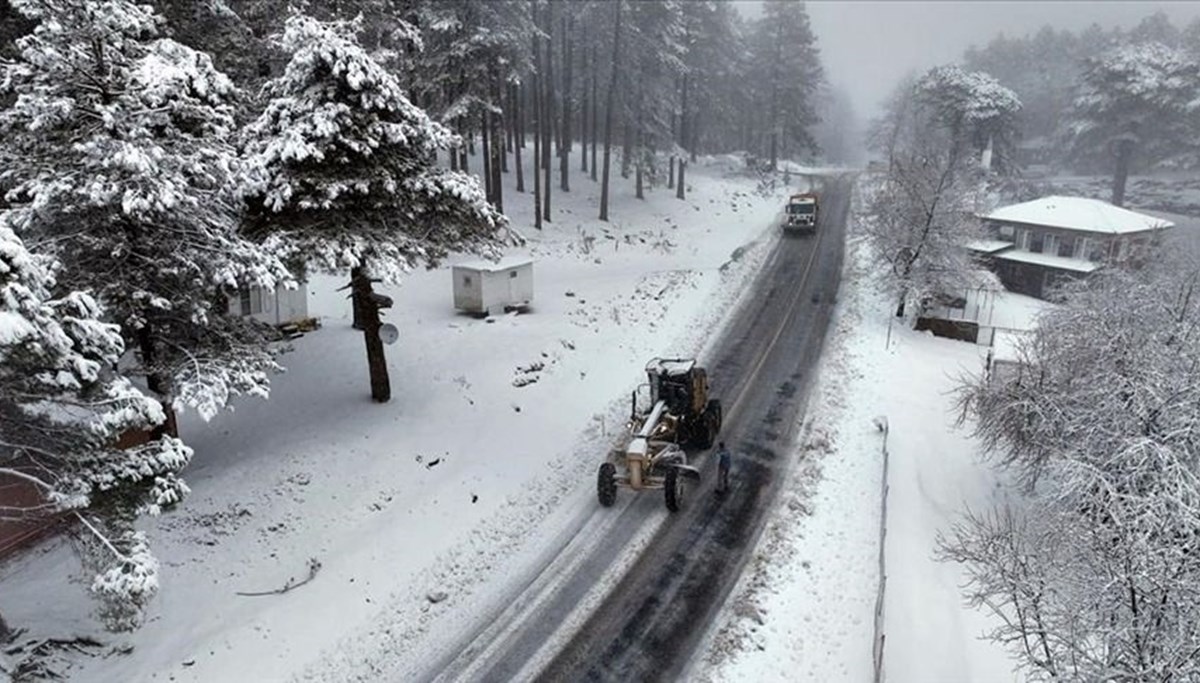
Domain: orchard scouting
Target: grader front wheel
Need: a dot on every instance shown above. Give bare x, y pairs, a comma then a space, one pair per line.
673, 488
606, 484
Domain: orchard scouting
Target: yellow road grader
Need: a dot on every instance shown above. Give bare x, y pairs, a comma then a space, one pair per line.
679, 414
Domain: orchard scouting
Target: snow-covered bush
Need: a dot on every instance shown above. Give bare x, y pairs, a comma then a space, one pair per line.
62, 410
1095, 569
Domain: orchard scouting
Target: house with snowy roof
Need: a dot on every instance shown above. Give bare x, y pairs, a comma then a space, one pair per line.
1036, 245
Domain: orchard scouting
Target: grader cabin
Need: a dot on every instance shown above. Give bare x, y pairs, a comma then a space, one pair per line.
1035, 245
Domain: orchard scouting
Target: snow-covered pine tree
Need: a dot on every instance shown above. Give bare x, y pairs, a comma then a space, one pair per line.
656, 50
1040, 68
786, 72
472, 50
345, 168
120, 167
1136, 99
709, 104
972, 110
922, 213
62, 410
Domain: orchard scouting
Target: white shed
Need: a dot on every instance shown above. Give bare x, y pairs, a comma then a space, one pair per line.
488, 288
278, 306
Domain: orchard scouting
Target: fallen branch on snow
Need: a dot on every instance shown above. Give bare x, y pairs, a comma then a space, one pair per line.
314, 566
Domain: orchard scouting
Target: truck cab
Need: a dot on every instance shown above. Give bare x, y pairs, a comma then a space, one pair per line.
800, 214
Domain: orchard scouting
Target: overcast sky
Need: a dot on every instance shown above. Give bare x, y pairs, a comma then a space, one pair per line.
868, 46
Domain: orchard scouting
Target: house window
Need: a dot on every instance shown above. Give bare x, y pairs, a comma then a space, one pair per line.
1023, 239
512, 275
1050, 246
1122, 249
1035, 242
1090, 249
250, 302
1005, 231
1067, 246
467, 280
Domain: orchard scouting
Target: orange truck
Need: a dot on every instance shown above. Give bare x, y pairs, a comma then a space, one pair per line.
801, 213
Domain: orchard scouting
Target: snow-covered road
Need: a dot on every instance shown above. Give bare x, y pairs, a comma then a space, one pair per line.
635, 608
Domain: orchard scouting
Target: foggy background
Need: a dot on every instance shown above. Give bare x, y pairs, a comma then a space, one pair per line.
867, 47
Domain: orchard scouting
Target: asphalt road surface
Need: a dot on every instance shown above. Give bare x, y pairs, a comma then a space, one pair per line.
568, 623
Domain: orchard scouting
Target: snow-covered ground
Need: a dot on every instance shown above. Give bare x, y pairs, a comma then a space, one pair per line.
806, 609
421, 510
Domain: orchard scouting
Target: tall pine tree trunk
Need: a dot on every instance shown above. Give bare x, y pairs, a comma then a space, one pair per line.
583, 111
595, 105
608, 111
498, 155
774, 114
551, 86
486, 161
679, 187
626, 140
510, 118
684, 139
568, 108
694, 134
547, 113
1124, 154
518, 125
536, 115
462, 158
640, 153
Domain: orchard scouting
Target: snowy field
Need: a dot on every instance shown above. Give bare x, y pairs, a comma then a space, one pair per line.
806, 609
420, 509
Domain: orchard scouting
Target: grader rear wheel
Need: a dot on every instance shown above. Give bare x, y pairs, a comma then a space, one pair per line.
673, 489
606, 484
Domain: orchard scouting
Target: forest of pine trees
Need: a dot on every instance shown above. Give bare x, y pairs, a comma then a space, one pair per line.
157, 157
660, 81
1050, 69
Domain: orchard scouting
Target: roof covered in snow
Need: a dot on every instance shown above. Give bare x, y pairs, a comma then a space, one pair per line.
1049, 261
496, 266
1077, 213
988, 246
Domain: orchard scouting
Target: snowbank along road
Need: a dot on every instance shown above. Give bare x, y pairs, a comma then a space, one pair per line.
629, 593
